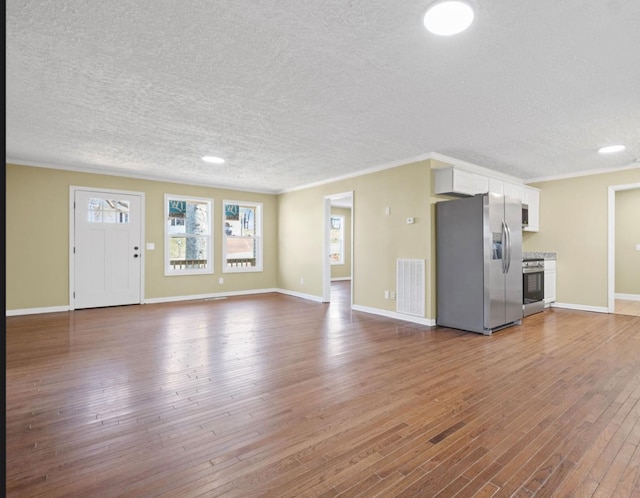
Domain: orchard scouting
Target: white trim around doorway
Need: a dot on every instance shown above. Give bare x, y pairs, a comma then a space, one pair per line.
611, 256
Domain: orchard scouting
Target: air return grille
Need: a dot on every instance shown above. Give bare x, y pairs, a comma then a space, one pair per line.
410, 281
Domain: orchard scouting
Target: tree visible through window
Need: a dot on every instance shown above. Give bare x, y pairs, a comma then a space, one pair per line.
188, 243
242, 236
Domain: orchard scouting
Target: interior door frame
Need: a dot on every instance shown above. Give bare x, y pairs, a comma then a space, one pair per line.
611, 294
326, 264
72, 236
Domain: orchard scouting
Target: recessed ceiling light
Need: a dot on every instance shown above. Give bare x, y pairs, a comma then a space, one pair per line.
213, 159
448, 17
611, 148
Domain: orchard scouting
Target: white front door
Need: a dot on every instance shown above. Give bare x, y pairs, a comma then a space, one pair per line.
107, 252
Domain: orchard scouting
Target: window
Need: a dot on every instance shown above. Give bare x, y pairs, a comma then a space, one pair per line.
107, 211
241, 236
336, 235
188, 240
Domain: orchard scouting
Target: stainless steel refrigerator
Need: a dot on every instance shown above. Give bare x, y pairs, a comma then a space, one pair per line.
479, 263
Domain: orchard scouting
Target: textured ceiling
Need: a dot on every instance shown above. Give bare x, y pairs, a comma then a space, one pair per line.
296, 92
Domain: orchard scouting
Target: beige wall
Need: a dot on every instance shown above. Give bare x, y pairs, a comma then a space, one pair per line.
627, 237
573, 222
37, 237
343, 271
379, 240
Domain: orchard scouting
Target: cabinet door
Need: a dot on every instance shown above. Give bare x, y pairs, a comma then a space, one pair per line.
456, 181
532, 199
549, 281
496, 186
463, 182
513, 190
480, 184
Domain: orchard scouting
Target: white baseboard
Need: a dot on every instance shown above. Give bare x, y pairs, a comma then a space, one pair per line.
628, 297
37, 311
157, 300
392, 314
310, 297
580, 307
213, 295
366, 309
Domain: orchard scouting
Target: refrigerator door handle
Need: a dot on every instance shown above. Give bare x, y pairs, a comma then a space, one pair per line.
505, 247
508, 245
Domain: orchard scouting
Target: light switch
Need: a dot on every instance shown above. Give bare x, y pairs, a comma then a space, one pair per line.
637, 247
150, 246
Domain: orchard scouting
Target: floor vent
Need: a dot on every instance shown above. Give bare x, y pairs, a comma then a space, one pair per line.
410, 295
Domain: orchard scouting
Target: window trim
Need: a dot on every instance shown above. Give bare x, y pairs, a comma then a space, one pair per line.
168, 271
258, 238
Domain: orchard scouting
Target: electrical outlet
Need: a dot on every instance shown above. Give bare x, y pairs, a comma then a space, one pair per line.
393, 295
301, 280
221, 280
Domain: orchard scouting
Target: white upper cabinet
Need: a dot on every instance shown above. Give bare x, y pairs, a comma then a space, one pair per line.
453, 181
532, 200
457, 181
496, 186
514, 190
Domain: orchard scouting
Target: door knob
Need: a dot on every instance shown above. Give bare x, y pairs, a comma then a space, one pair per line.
135, 248
135, 255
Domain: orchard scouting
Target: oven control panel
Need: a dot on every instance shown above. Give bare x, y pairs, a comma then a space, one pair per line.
531, 265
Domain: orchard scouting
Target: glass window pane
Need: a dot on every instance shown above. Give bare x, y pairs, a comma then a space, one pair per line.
95, 204
241, 248
196, 219
177, 208
175, 226
241, 231
177, 247
109, 205
94, 216
188, 233
248, 220
196, 248
107, 211
188, 252
109, 217
122, 206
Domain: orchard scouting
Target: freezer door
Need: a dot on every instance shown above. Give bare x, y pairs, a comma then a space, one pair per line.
513, 277
495, 259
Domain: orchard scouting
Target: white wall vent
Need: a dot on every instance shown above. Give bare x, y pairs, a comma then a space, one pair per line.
410, 281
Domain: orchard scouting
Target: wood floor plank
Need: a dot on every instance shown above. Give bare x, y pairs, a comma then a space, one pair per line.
275, 396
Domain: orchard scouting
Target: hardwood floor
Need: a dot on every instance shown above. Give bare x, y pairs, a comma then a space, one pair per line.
627, 307
276, 396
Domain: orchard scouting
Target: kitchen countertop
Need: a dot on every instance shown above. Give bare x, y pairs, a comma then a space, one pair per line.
539, 254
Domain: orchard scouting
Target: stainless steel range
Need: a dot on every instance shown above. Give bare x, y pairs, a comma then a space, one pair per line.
532, 286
